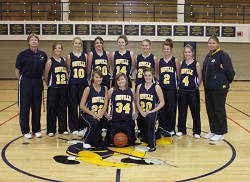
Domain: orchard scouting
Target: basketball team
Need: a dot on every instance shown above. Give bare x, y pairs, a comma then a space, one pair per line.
82, 88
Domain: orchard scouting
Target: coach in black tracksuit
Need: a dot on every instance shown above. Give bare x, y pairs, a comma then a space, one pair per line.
30, 65
217, 73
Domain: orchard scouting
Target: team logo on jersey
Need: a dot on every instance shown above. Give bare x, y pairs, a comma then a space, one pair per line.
41, 58
121, 157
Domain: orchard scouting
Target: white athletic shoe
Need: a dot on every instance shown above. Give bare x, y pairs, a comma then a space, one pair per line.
209, 135
38, 134
51, 134
179, 134
75, 132
86, 145
82, 132
27, 135
217, 137
65, 133
196, 136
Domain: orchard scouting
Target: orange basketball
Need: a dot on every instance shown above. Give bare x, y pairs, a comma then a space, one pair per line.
120, 139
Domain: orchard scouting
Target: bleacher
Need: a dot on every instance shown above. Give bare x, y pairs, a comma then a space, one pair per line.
223, 11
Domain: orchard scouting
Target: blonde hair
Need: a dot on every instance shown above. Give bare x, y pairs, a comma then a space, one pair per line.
32, 35
188, 46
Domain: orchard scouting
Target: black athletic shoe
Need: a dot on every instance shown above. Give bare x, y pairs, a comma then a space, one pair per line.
165, 133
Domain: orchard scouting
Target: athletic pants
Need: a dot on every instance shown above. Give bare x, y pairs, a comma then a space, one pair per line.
189, 99
148, 125
30, 97
126, 127
75, 92
167, 114
56, 108
93, 134
216, 111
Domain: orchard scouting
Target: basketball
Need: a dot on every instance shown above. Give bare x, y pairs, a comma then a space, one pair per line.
120, 139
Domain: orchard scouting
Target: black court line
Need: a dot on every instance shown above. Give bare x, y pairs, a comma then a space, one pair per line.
118, 175
17, 169
238, 110
8, 106
118, 171
219, 169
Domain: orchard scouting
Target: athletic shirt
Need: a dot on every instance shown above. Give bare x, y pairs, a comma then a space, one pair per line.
101, 62
57, 74
148, 98
78, 69
167, 74
188, 76
141, 64
95, 100
122, 63
121, 105
31, 64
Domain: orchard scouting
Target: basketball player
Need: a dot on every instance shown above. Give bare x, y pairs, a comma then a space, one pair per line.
29, 70
56, 77
168, 70
123, 112
144, 60
98, 58
189, 95
123, 60
149, 100
76, 62
93, 105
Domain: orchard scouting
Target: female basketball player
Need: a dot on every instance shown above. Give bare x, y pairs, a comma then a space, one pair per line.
56, 77
94, 104
168, 71
98, 58
123, 112
123, 60
76, 62
217, 73
189, 94
143, 60
149, 100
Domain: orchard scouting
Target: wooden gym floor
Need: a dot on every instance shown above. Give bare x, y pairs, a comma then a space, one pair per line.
183, 160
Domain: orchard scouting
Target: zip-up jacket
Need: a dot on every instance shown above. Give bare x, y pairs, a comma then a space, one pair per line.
218, 71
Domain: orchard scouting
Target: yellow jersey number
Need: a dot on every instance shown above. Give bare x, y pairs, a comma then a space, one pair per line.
120, 107
140, 73
79, 73
121, 69
104, 70
185, 81
146, 106
60, 79
97, 109
166, 79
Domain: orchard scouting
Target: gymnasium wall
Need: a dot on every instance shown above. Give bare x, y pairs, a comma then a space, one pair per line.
237, 46
239, 52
